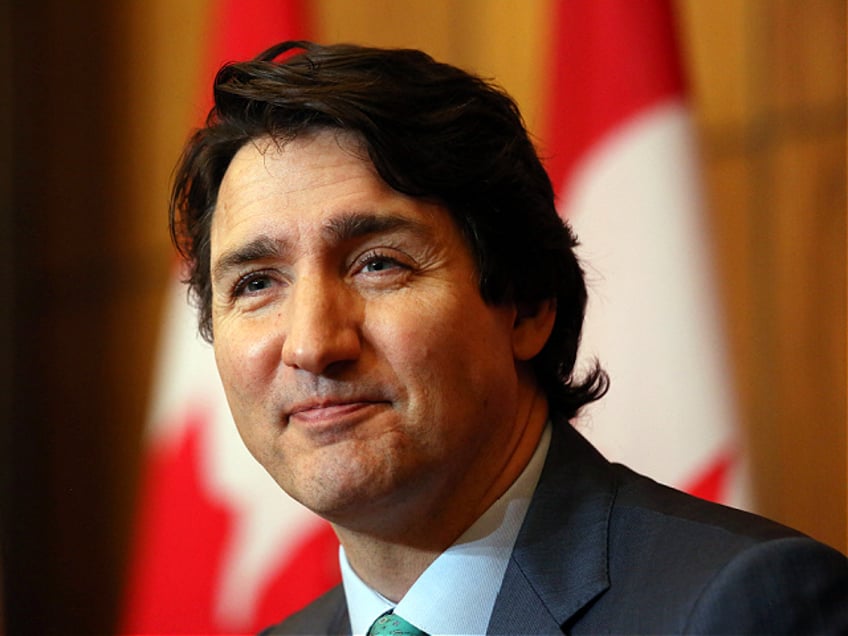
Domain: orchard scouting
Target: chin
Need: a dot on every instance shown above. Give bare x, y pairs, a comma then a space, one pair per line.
332, 494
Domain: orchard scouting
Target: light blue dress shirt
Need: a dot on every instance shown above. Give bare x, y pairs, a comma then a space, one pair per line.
456, 594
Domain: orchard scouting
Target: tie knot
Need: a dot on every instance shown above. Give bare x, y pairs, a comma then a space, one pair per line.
390, 624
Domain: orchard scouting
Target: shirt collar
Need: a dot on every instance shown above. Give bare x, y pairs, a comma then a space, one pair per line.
441, 601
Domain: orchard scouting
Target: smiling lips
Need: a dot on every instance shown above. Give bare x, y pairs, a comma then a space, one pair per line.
330, 413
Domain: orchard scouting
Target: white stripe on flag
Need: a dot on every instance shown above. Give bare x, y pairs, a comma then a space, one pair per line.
635, 203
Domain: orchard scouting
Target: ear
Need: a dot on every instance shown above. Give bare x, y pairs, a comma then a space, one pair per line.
532, 328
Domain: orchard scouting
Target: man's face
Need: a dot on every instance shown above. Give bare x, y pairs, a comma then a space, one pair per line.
362, 367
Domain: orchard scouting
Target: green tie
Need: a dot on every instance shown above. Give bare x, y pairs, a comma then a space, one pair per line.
390, 624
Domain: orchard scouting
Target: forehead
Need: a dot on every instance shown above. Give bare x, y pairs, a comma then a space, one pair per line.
309, 165
270, 185
290, 190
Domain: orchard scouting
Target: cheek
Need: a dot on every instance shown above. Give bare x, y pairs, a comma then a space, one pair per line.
247, 357
405, 336
472, 357
245, 365
435, 358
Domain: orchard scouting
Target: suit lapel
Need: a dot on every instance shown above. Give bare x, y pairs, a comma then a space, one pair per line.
559, 563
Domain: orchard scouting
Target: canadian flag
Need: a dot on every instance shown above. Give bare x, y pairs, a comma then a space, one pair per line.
221, 549
622, 155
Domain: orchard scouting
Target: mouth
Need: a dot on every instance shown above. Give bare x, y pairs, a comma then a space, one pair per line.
333, 414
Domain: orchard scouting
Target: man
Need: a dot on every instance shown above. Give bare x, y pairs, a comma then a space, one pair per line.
395, 308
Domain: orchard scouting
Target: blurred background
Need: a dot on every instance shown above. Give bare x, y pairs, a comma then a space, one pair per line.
96, 100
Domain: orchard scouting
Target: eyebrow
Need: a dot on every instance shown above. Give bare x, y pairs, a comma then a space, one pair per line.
260, 248
345, 227
355, 225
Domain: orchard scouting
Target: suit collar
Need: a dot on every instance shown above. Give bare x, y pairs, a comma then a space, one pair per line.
560, 560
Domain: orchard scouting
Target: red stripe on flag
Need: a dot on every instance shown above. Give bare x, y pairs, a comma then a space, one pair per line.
186, 534
612, 59
712, 482
179, 524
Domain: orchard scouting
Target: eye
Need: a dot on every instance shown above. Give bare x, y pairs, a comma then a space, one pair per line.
376, 264
379, 262
383, 270
253, 283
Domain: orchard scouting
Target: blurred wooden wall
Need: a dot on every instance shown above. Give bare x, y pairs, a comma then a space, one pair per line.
769, 90
103, 95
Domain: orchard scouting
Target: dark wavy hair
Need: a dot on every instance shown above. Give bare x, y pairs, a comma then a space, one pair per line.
432, 131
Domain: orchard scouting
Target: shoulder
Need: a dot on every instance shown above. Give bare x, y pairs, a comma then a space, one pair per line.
791, 585
612, 551
325, 615
724, 570
645, 507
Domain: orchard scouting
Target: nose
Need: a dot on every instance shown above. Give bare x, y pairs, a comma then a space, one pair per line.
321, 327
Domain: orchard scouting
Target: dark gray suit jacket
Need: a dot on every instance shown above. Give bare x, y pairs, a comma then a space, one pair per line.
604, 550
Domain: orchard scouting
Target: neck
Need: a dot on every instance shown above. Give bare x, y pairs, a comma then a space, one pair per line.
386, 567
391, 559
